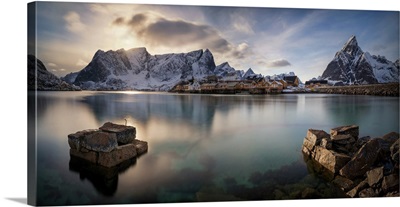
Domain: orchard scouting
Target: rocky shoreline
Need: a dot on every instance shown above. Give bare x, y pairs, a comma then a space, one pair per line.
359, 166
389, 89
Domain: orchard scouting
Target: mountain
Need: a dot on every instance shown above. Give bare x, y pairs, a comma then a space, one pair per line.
351, 65
250, 74
225, 72
70, 78
45, 80
138, 69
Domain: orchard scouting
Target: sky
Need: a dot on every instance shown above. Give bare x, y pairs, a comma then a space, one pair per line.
268, 40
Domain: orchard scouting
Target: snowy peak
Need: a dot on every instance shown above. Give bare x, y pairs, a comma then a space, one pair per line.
353, 66
351, 47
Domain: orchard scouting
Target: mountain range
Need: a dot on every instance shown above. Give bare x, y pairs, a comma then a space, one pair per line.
353, 66
139, 70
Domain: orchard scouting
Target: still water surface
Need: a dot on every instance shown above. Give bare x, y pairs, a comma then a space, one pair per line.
201, 147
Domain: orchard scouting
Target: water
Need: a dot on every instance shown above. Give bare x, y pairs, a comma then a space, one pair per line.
201, 147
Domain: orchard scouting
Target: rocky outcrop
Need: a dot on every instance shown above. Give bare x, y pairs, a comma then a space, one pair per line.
390, 89
107, 146
360, 167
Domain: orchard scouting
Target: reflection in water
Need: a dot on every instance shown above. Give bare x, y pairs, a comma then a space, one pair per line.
104, 179
201, 147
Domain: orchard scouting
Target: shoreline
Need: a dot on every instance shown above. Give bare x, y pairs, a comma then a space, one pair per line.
389, 89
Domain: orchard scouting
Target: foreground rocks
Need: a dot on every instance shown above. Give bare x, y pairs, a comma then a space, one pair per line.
360, 167
107, 146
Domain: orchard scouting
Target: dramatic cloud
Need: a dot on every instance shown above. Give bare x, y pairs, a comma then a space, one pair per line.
278, 63
73, 22
159, 31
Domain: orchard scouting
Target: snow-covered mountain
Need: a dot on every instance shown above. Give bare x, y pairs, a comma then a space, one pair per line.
225, 72
39, 78
251, 75
137, 69
351, 65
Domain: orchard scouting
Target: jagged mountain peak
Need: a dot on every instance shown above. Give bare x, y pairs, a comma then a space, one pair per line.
351, 47
353, 66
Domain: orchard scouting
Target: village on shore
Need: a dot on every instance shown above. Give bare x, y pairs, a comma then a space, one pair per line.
289, 83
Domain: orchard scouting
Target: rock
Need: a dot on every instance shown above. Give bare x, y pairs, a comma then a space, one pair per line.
360, 142
366, 193
374, 176
341, 137
352, 130
343, 183
75, 139
394, 152
363, 159
99, 141
141, 146
89, 156
391, 137
361, 186
331, 160
117, 156
326, 143
393, 194
312, 139
124, 134
310, 193
390, 182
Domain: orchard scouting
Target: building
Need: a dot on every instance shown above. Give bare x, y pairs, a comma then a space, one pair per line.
316, 83
291, 81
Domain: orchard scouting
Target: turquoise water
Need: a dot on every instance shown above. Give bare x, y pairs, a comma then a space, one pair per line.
201, 147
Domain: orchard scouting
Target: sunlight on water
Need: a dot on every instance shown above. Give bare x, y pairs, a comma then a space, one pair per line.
198, 144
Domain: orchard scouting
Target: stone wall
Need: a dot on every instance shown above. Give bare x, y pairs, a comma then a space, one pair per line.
391, 89
360, 167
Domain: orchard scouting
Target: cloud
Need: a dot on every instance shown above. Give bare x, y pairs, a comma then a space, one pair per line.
278, 63
155, 30
73, 22
242, 24
51, 65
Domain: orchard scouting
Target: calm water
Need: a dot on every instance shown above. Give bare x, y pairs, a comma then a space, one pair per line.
201, 147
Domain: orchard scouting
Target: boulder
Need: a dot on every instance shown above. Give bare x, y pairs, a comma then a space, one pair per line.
394, 152
89, 155
124, 134
368, 192
362, 160
390, 182
330, 159
360, 142
352, 130
343, 183
75, 139
326, 143
374, 176
361, 186
312, 139
141, 146
117, 156
391, 137
99, 141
